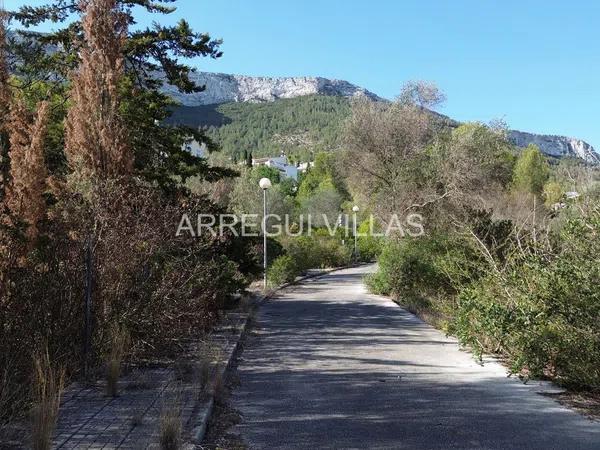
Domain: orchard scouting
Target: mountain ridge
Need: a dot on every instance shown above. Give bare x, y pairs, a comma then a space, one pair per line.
224, 88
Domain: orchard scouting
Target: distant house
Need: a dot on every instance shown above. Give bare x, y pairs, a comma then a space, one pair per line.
195, 148
280, 163
569, 196
303, 167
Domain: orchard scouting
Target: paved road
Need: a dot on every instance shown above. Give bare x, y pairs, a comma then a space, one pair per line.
330, 366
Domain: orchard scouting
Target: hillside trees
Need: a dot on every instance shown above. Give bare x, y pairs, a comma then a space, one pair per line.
300, 126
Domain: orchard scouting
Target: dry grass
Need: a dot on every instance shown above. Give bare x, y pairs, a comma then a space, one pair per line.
209, 356
171, 427
120, 342
48, 384
203, 375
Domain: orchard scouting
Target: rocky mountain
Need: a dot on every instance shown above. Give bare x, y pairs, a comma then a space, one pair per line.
223, 88
557, 146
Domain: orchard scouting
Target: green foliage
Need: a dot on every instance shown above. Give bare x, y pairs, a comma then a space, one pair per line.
46, 60
425, 273
531, 171
553, 193
289, 187
324, 174
538, 308
271, 173
299, 126
542, 311
283, 270
475, 157
417, 268
323, 205
369, 246
247, 197
322, 190
320, 250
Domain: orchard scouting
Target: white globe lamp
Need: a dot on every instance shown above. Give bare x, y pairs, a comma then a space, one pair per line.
264, 183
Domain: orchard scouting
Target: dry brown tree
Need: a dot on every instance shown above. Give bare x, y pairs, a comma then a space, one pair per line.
387, 145
5, 99
25, 193
95, 137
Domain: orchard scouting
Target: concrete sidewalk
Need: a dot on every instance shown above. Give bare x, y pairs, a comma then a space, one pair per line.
331, 366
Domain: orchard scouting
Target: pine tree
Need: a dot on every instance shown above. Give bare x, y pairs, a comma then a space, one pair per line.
153, 58
95, 136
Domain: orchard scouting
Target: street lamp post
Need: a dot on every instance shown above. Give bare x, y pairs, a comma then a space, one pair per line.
264, 184
355, 210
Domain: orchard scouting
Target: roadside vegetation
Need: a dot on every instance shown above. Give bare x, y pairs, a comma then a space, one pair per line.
95, 180
315, 214
93, 186
509, 261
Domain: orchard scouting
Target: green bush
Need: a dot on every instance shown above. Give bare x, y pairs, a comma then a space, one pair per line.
318, 251
423, 267
369, 247
283, 270
425, 274
542, 311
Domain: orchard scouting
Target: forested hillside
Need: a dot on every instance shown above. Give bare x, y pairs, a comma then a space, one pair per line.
298, 126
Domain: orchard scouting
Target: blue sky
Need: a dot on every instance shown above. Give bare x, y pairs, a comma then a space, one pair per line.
533, 63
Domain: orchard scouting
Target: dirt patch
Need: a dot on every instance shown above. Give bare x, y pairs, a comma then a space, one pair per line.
586, 403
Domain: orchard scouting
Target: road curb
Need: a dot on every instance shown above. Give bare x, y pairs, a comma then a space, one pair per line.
204, 416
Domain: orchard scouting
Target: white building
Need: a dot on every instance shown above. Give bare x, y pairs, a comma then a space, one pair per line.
280, 163
303, 167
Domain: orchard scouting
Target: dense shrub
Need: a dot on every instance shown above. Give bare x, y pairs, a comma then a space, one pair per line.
283, 270
369, 246
418, 270
542, 311
319, 250
161, 288
538, 306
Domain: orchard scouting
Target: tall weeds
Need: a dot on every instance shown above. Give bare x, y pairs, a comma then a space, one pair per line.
120, 342
48, 383
170, 422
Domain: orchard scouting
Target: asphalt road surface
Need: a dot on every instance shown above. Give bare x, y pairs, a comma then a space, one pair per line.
331, 366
